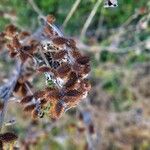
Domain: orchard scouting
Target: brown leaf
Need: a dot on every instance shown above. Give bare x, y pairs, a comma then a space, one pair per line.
72, 44
26, 99
29, 108
59, 55
23, 35
78, 68
1, 105
44, 69
23, 90
85, 85
1, 145
76, 54
57, 110
83, 60
87, 69
23, 56
48, 30
16, 42
53, 96
13, 54
10, 30
63, 70
72, 101
35, 114
81, 129
8, 137
18, 84
59, 40
91, 129
72, 80
50, 19
10, 47
39, 94
43, 101
73, 93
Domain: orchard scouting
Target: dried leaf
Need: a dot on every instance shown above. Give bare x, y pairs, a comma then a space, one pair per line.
1, 145
29, 108
27, 99
10, 30
1, 105
73, 93
39, 94
85, 85
91, 128
13, 54
50, 19
59, 40
53, 96
43, 101
57, 110
48, 30
81, 129
8, 137
10, 47
59, 55
72, 80
76, 54
23, 35
63, 70
23, 56
72, 44
44, 69
35, 114
16, 42
83, 60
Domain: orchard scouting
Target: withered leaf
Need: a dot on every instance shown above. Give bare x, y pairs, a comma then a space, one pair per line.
8, 137
50, 19
83, 60
26, 99
59, 55
29, 108
64, 69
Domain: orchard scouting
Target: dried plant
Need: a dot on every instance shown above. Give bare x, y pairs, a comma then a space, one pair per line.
54, 55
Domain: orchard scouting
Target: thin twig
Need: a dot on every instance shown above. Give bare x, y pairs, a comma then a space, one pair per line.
117, 50
41, 16
89, 19
73, 9
36, 9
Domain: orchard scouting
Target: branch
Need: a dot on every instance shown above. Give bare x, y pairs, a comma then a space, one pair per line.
117, 50
7, 89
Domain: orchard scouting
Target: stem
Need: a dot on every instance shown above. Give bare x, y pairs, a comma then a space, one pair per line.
73, 9
6, 91
89, 19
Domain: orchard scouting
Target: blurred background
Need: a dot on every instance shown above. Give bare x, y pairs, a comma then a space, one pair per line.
118, 41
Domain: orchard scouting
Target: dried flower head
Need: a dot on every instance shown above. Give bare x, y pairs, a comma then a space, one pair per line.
63, 65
